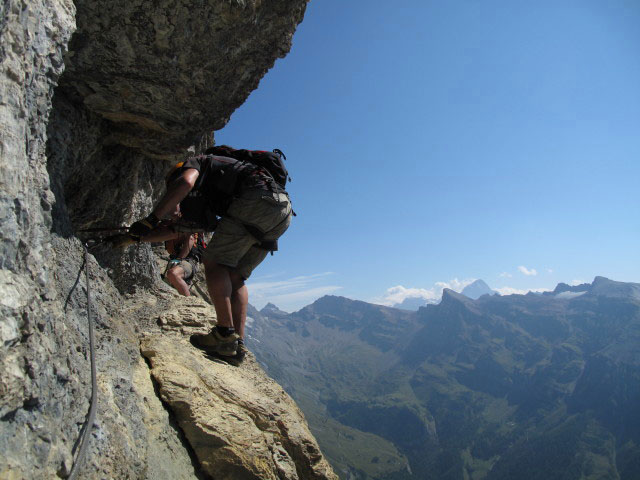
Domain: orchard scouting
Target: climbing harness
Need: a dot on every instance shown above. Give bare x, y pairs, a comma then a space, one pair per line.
174, 262
88, 425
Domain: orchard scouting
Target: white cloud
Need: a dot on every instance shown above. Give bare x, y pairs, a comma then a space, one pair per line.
399, 293
510, 291
519, 291
549, 270
290, 294
505, 275
526, 271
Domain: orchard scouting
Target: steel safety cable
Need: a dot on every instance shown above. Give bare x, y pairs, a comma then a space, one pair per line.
85, 433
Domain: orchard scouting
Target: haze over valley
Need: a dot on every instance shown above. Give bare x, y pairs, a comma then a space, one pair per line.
535, 386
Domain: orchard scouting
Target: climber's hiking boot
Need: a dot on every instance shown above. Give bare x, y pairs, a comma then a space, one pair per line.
214, 343
238, 358
241, 352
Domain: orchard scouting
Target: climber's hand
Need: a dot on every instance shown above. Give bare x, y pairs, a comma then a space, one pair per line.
142, 227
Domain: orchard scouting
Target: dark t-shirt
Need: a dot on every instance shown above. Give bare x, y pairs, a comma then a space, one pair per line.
219, 180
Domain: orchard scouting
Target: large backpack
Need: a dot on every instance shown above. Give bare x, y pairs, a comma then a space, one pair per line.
272, 162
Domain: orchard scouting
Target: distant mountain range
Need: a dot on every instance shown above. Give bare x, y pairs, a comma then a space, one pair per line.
414, 303
536, 386
473, 290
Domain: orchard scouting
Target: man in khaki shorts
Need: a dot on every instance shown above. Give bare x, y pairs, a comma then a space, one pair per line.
185, 253
255, 211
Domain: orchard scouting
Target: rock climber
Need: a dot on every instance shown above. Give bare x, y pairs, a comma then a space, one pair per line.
185, 253
254, 210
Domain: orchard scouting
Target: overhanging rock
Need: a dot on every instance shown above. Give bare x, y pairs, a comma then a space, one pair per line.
164, 72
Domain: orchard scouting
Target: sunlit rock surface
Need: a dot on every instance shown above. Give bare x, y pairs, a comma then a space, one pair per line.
239, 422
139, 83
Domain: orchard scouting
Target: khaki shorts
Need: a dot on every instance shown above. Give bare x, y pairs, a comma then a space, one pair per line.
233, 246
189, 268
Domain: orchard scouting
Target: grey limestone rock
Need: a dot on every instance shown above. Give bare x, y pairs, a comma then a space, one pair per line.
94, 103
165, 72
239, 422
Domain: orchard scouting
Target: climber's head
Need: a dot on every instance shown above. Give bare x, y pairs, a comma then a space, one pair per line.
174, 173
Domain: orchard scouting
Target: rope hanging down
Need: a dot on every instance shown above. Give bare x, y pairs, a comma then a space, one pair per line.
86, 428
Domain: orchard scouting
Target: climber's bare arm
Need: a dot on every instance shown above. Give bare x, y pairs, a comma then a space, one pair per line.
176, 191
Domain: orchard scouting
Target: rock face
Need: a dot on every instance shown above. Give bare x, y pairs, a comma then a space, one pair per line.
33, 36
165, 72
239, 422
142, 81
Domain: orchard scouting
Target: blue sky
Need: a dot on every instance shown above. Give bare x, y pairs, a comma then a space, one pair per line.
431, 143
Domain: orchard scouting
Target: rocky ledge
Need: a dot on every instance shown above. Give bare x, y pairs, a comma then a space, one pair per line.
238, 422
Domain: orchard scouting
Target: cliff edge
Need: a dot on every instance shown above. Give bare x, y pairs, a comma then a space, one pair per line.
94, 104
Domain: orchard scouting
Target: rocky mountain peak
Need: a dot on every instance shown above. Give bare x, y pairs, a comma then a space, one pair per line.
271, 308
454, 303
413, 303
477, 289
330, 303
602, 286
449, 296
563, 287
